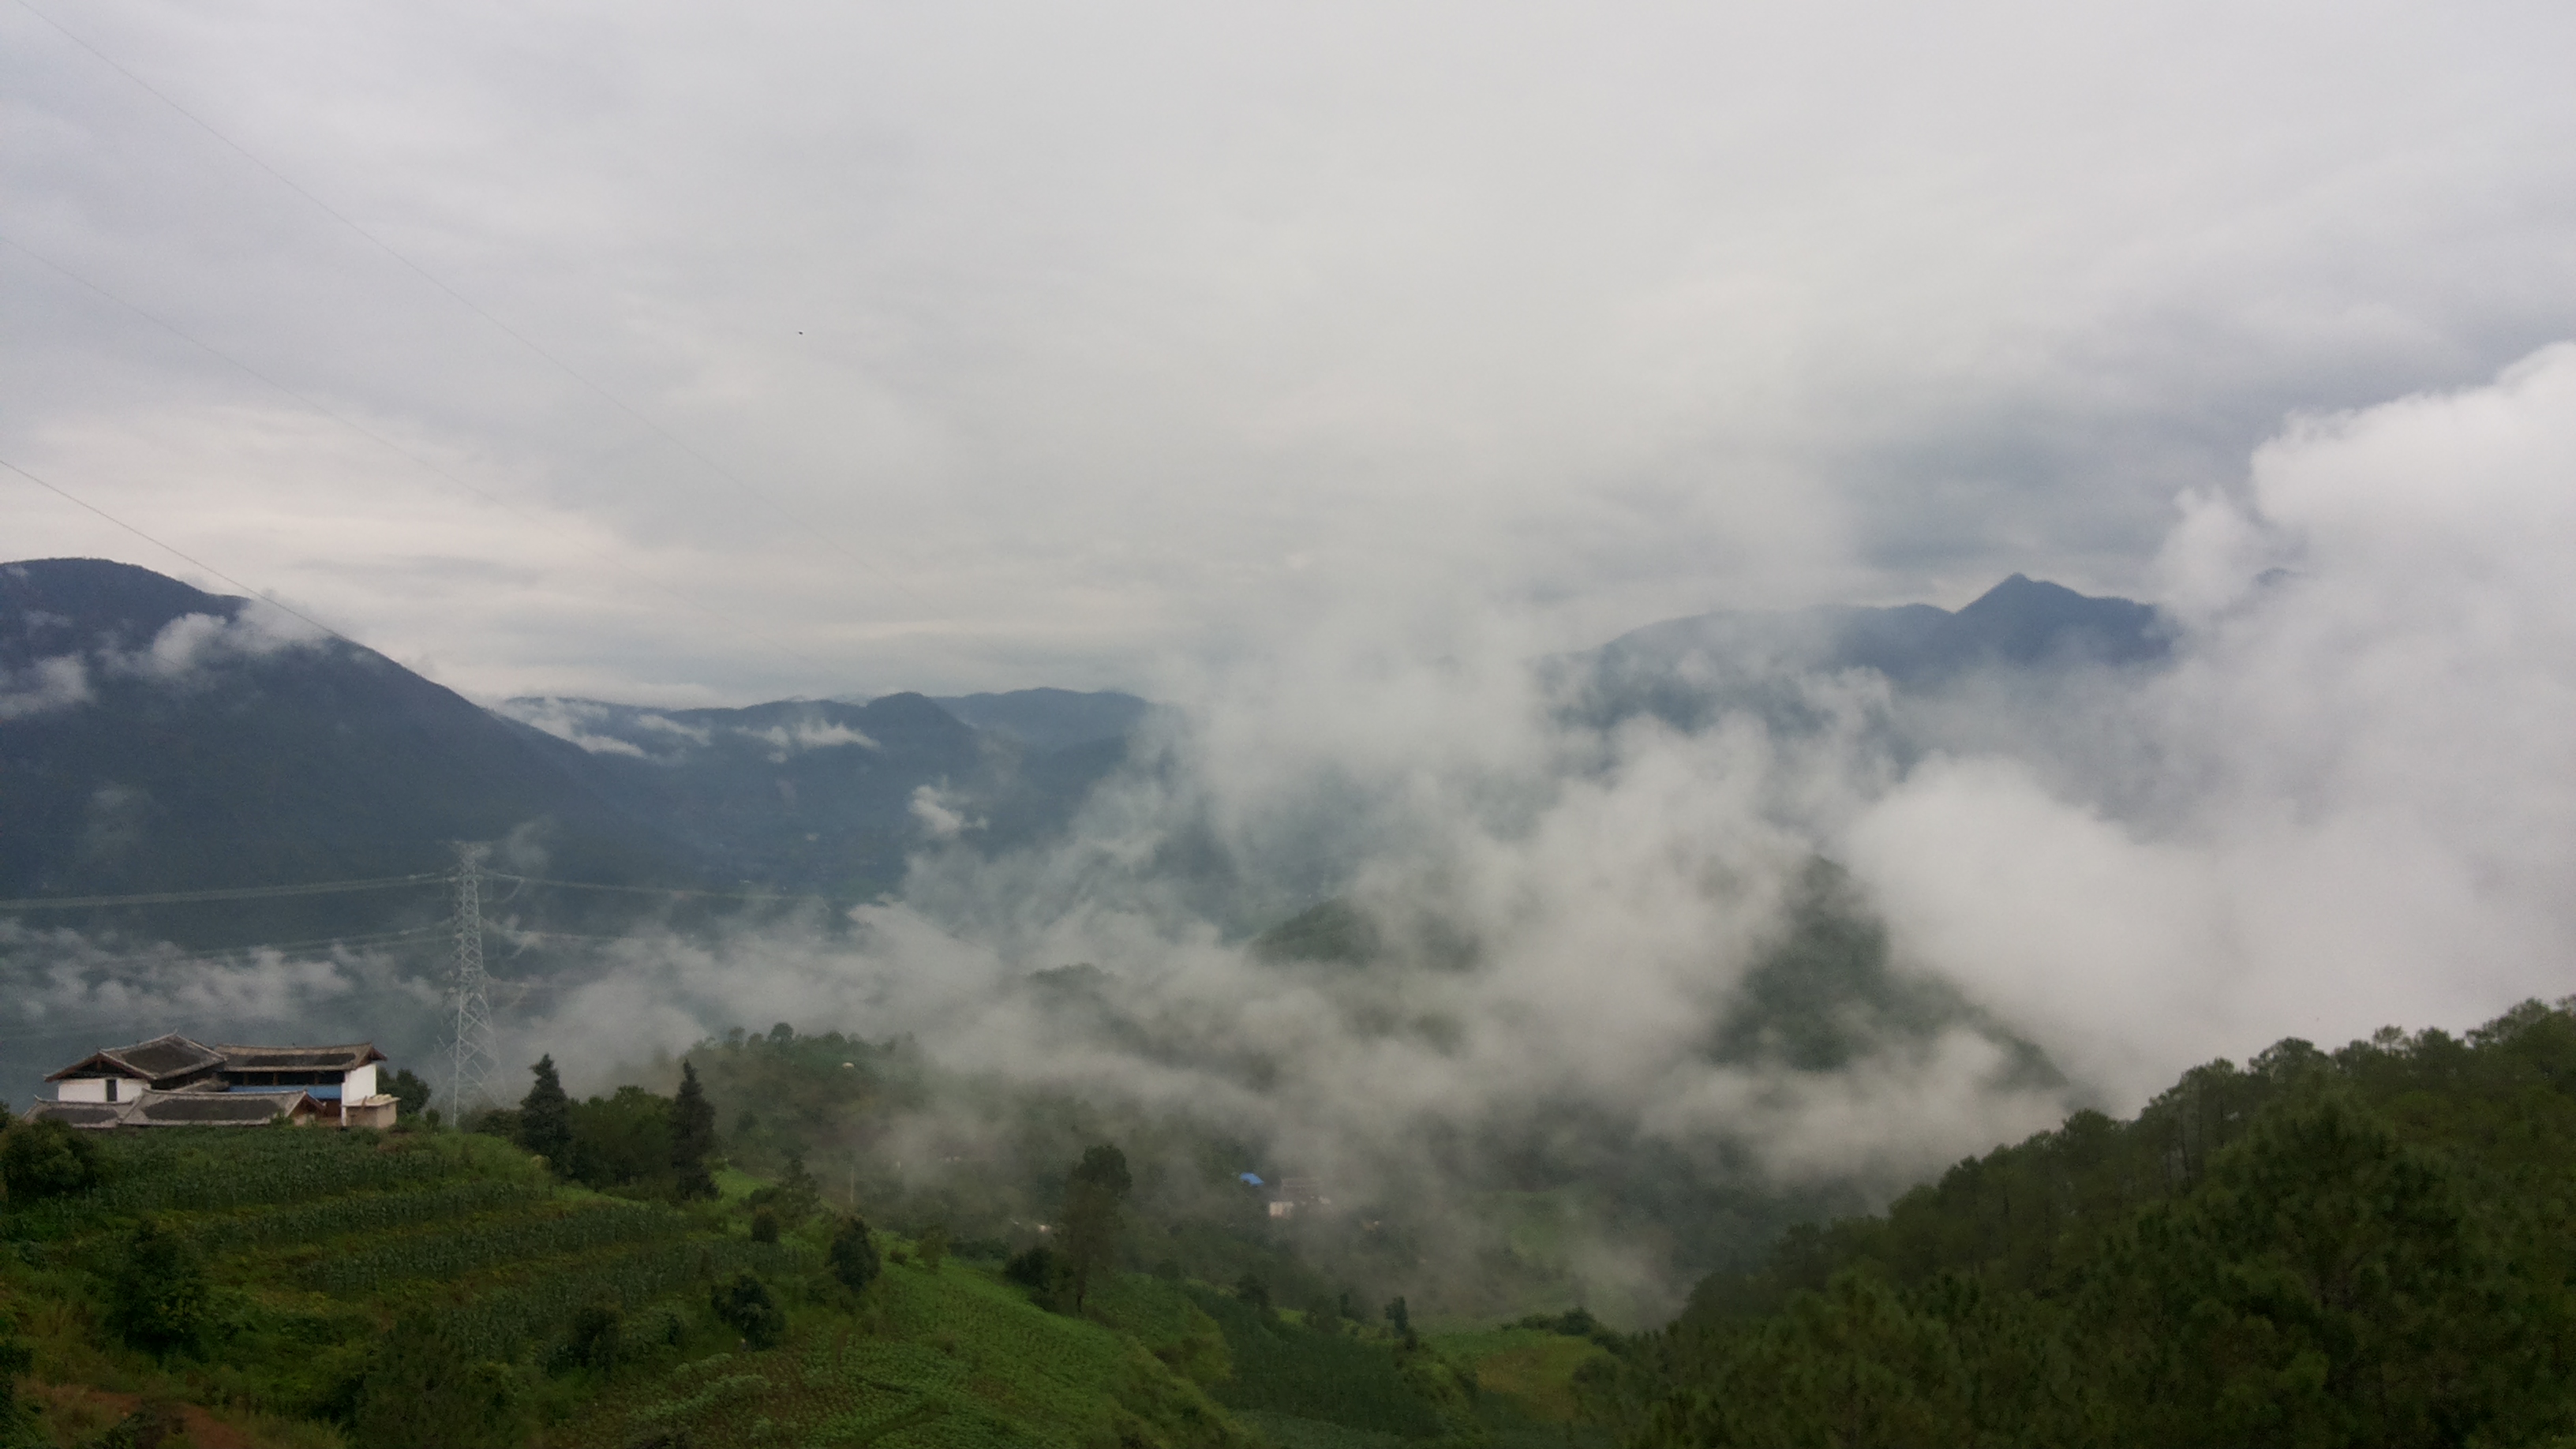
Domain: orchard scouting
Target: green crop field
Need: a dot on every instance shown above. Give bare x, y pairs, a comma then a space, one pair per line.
313, 1244
934, 1360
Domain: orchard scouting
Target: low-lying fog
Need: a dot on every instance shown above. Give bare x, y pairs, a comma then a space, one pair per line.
2348, 800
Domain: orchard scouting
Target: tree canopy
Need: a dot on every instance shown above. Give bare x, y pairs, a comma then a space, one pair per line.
545, 1117
2370, 1246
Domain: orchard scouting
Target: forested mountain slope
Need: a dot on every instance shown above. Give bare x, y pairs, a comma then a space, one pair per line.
2369, 1246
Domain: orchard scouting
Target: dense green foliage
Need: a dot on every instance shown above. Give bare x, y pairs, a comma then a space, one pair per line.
745, 1304
445, 1288
17, 1423
157, 1299
693, 1136
2365, 1247
1292, 1369
45, 1159
411, 1094
1093, 1191
853, 1255
423, 1387
545, 1116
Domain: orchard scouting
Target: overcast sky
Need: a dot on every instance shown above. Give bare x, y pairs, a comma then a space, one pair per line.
702, 354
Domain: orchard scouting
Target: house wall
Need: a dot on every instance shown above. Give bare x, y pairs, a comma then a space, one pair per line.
379, 1113
84, 1089
359, 1085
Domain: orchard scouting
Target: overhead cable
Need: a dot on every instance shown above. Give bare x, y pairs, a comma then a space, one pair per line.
399, 451
676, 890
237, 893
476, 308
66, 494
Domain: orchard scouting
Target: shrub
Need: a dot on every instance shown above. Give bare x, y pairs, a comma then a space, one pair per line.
422, 1387
410, 1094
1034, 1267
746, 1306
47, 1159
595, 1337
764, 1226
853, 1255
157, 1300
17, 1423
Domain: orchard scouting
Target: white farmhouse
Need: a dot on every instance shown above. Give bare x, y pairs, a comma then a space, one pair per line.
172, 1081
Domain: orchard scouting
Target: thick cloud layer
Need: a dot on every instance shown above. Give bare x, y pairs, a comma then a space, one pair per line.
2352, 804
2346, 803
989, 346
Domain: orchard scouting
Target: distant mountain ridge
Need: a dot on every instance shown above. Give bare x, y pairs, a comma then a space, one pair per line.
1687, 671
157, 737
827, 794
2020, 622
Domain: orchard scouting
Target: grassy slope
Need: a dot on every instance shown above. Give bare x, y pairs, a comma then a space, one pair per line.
1530, 1369
316, 1241
931, 1360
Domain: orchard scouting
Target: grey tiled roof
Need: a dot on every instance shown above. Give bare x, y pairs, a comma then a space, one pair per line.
300, 1058
213, 1109
80, 1114
157, 1060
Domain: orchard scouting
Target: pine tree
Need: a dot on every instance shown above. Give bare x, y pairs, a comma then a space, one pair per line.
853, 1255
799, 1194
1092, 1194
693, 1135
545, 1118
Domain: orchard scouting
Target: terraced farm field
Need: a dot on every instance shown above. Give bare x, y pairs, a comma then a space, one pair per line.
592, 1315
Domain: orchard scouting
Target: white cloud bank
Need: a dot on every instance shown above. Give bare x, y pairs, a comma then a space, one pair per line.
2366, 795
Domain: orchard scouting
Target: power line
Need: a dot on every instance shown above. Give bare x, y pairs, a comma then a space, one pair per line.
472, 1050
583, 885
173, 953
237, 893
66, 494
400, 451
476, 308
76, 1027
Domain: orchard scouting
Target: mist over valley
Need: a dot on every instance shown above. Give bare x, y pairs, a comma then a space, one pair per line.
1305, 730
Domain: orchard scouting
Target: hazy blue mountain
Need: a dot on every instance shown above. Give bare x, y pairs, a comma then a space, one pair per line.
806, 794
2020, 622
155, 737
1051, 719
1686, 670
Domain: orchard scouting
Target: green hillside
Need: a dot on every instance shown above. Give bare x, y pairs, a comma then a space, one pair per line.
315, 1288
2368, 1246
345, 1282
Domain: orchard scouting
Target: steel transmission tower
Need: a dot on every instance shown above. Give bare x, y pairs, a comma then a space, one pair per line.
473, 1057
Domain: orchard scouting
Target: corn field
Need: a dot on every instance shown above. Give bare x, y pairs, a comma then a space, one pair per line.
497, 1322
486, 1245
366, 1213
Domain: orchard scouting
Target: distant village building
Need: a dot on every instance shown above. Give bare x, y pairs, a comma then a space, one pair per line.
171, 1081
1288, 1194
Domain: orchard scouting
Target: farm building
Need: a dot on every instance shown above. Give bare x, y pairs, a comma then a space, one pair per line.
172, 1081
1286, 1196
